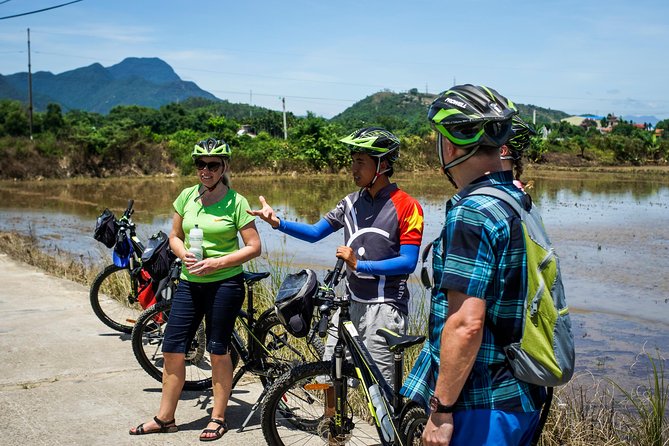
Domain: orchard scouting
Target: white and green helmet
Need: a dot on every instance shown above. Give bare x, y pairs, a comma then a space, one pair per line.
211, 147
374, 141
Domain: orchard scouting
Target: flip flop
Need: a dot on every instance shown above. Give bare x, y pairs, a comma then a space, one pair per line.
163, 429
218, 432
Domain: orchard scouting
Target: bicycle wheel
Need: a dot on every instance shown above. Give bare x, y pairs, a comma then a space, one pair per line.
114, 299
147, 342
412, 426
280, 351
294, 410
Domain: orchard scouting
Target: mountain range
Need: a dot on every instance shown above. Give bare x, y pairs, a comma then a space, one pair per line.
151, 82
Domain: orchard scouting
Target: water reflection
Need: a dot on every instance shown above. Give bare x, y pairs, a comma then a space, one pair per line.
610, 231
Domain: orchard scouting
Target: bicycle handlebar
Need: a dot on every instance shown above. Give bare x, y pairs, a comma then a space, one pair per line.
129, 210
327, 296
176, 269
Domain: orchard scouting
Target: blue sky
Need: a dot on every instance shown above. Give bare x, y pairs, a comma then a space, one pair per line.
575, 56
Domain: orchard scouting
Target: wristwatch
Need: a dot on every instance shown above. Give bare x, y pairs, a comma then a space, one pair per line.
437, 407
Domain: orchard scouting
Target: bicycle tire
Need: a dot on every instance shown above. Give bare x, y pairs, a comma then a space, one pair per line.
293, 414
113, 299
281, 351
147, 340
412, 426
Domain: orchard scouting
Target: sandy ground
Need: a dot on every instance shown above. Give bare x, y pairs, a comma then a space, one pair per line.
65, 379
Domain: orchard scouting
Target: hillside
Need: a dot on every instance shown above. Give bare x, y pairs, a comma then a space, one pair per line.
409, 106
386, 107
148, 82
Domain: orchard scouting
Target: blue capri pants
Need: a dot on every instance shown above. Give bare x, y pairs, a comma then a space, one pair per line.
218, 302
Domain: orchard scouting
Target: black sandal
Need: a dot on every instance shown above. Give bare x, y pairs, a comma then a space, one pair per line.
164, 428
218, 432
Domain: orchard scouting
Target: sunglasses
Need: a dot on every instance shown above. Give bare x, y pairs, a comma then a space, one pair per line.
212, 166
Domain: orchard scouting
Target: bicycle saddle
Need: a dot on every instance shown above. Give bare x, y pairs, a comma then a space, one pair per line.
398, 341
251, 278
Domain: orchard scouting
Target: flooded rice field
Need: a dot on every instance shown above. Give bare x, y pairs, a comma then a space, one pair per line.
611, 233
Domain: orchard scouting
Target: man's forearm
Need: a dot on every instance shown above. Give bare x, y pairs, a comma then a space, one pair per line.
460, 343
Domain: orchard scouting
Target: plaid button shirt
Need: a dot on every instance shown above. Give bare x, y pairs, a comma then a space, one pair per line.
481, 253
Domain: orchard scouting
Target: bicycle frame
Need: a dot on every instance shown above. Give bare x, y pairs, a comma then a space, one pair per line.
366, 370
369, 375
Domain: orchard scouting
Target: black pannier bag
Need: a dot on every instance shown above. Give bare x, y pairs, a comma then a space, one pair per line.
294, 303
106, 229
157, 256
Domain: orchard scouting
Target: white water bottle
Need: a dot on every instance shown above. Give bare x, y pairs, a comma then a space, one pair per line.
195, 237
381, 413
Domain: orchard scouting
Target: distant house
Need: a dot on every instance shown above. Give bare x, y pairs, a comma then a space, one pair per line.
584, 121
612, 121
247, 130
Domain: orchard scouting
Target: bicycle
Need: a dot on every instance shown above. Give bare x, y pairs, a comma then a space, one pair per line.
296, 411
115, 292
267, 352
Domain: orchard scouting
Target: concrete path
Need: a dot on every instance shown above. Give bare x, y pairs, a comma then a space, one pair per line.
66, 379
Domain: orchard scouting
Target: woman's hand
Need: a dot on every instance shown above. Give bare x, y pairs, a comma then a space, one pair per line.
346, 253
189, 259
205, 266
266, 213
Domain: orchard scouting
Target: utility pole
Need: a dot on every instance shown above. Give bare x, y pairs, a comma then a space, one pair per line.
285, 126
251, 103
30, 90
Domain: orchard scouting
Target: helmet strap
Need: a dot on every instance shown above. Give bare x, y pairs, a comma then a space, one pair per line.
455, 162
208, 189
377, 174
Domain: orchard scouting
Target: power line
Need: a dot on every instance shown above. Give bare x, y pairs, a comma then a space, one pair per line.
39, 10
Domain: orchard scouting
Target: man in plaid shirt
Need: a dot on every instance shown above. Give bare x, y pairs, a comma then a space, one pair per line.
479, 273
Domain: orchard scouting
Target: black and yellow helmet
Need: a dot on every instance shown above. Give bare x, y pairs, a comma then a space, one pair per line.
374, 141
472, 116
211, 147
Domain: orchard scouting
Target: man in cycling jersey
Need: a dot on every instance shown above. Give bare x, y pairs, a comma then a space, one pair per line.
480, 283
383, 230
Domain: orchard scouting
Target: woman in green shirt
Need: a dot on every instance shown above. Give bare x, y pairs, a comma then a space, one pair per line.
212, 288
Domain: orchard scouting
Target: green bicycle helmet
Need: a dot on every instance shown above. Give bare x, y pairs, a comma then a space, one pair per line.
211, 147
374, 141
520, 137
472, 116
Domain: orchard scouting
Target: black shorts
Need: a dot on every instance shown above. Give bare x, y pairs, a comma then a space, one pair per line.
218, 302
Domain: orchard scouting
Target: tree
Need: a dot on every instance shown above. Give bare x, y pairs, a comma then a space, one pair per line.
53, 119
13, 119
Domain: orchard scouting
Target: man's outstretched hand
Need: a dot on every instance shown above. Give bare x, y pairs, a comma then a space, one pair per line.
266, 213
